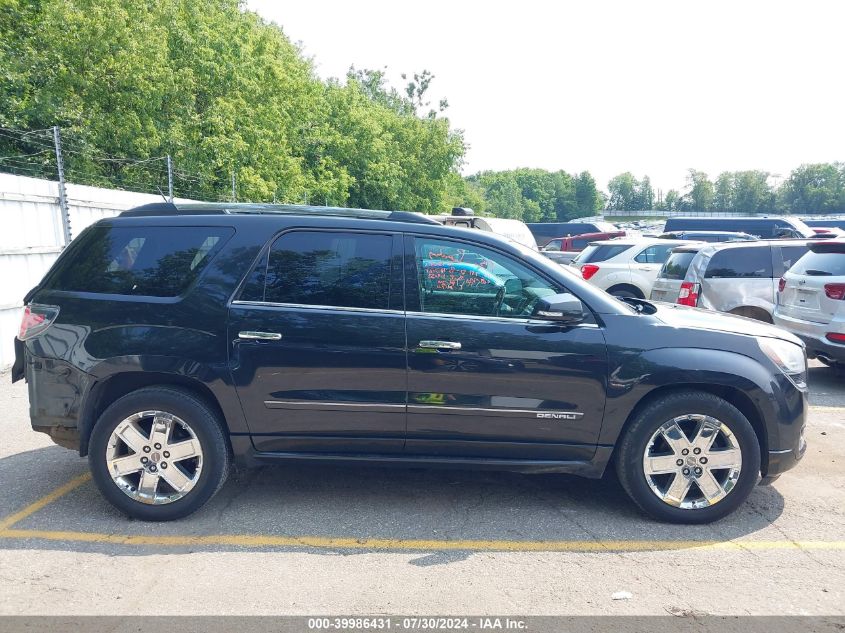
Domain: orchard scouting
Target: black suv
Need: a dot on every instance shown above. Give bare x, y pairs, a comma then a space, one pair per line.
169, 341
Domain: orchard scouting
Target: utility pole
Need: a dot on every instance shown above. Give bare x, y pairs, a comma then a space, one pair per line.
60, 168
170, 178
234, 194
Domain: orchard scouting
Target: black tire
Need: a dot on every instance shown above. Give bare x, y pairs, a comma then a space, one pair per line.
205, 424
632, 447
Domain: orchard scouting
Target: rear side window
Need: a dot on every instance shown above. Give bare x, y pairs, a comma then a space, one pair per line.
578, 245
821, 265
745, 263
677, 264
345, 270
656, 254
602, 252
153, 261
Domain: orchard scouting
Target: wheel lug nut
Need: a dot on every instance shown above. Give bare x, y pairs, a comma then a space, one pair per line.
153, 468
147, 449
166, 453
697, 470
680, 462
685, 451
696, 450
703, 460
158, 446
144, 460
163, 464
686, 471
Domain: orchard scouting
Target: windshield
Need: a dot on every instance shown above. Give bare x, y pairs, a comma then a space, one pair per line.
802, 228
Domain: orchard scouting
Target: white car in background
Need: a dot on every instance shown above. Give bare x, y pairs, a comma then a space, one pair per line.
811, 301
625, 267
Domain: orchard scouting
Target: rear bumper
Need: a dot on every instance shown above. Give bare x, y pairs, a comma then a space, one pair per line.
813, 335
57, 391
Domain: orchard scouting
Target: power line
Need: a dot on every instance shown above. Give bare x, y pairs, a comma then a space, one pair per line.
19, 156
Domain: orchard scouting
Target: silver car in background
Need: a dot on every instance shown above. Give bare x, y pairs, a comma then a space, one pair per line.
736, 277
811, 301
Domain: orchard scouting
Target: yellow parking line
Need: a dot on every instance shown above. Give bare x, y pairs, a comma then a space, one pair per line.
47, 499
257, 540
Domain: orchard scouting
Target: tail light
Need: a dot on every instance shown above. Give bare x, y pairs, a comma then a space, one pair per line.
836, 337
835, 291
588, 270
36, 318
781, 284
688, 295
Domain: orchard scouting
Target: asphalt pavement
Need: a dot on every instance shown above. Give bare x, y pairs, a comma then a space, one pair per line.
311, 540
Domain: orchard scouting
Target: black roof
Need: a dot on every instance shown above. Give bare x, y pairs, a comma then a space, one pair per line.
232, 208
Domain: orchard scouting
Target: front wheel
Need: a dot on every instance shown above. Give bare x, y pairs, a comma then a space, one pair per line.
689, 457
158, 454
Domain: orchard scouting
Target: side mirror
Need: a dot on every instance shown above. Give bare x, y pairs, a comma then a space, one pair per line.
563, 308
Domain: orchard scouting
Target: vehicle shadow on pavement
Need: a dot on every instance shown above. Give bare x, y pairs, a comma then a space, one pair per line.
827, 385
394, 506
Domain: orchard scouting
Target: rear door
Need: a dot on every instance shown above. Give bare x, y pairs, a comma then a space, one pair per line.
739, 276
318, 344
485, 378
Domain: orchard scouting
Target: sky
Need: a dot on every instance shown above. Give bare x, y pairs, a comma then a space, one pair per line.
649, 86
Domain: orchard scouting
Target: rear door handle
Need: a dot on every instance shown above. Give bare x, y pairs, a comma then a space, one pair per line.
259, 336
439, 345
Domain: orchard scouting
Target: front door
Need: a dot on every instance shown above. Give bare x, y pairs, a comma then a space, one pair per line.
318, 353
486, 379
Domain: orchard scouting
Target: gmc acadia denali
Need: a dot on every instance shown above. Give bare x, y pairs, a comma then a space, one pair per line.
168, 342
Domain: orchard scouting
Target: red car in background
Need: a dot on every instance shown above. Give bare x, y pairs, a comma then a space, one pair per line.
563, 249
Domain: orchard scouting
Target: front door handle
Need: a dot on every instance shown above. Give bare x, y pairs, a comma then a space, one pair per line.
259, 336
439, 345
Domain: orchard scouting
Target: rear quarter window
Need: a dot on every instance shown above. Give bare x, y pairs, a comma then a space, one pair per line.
153, 261
741, 263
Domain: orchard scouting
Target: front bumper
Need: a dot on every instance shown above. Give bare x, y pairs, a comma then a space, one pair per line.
813, 335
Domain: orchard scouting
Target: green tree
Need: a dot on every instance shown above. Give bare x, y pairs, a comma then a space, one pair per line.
223, 92
699, 196
623, 192
814, 188
588, 200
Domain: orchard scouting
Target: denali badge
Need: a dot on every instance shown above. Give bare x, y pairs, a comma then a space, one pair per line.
561, 415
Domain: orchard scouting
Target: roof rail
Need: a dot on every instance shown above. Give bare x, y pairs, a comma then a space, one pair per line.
235, 208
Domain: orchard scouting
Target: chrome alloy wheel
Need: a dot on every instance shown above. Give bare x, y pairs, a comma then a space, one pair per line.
692, 461
154, 457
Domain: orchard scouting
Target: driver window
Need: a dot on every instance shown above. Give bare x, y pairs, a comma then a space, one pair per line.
459, 278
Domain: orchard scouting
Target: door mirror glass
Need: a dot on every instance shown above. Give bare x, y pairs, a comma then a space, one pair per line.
563, 308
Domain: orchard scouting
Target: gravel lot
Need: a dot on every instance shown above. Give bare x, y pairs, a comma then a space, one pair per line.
330, 540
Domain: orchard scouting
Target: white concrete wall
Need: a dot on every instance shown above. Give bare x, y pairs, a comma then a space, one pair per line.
31, 237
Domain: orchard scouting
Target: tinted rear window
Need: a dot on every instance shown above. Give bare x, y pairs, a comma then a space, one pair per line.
677, 265
822, 264
601, 253
347, 270
153, 261
746, 263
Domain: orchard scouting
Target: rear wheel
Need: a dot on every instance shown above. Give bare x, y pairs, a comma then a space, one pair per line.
158, 454
689, 457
